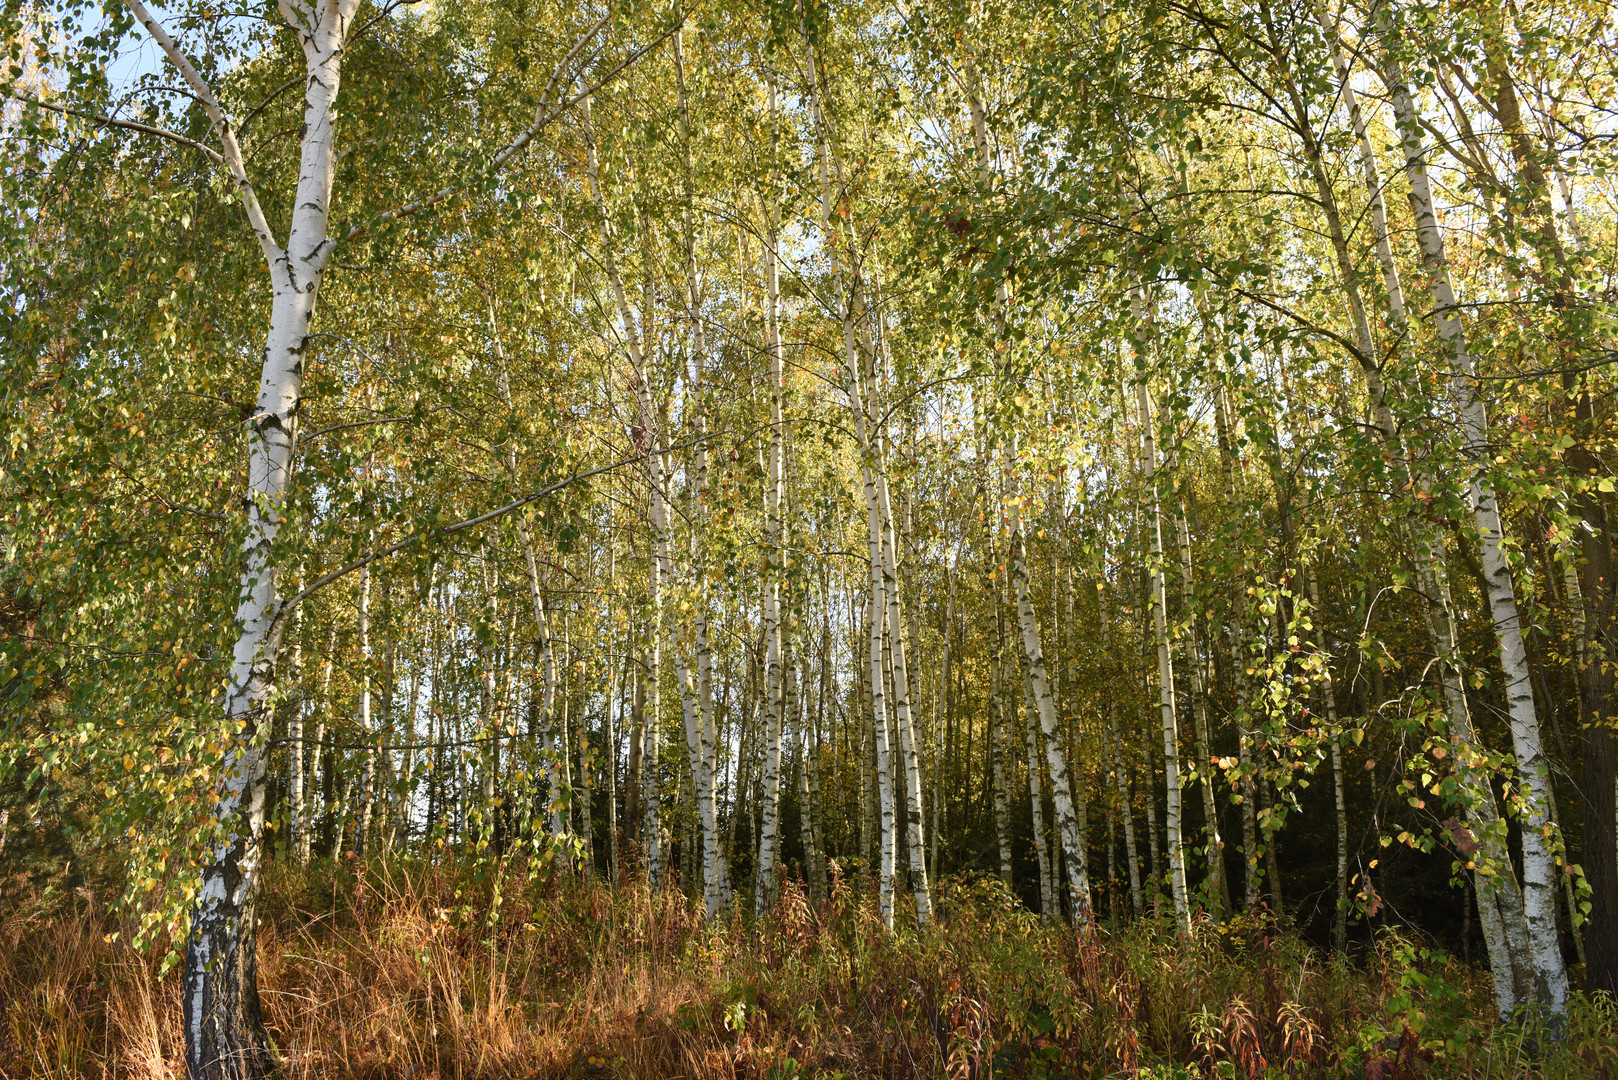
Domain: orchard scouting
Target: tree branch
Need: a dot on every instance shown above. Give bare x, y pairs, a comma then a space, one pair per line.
460, 526
541, 121
129, 125
232, 155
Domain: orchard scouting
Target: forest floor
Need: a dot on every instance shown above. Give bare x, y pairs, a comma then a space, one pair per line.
410, 972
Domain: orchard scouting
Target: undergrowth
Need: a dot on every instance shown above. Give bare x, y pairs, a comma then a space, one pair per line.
413, 971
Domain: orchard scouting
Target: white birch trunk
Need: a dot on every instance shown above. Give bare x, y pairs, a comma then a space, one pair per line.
399, 833
1028, 624
1165, 662
997, 742
902, 682
764, 886
224, 1033
700, 736
1533, 768
1078, 883
1499, 897
1081, 792
1218, 890
363, 718
877, 611
1048, 909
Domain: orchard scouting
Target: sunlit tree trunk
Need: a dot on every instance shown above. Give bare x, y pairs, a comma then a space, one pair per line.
1598, 687
1027, 620
697, 701
941, 746
1165, 663
362, 717
869, 464
774, 665
1036, 802
224, 1032
1218, 887
1073, 736
902, 684
817, 884
1499, 896
1533, 767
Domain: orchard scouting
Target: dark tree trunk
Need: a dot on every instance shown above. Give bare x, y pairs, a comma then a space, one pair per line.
225, 1037
1596, 691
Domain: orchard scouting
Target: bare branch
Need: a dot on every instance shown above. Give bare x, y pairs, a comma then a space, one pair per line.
128, 125
232, 155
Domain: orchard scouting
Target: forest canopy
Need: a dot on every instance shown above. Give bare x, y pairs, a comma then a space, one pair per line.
1159, 457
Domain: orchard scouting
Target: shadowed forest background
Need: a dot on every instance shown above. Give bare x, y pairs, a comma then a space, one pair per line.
801, 539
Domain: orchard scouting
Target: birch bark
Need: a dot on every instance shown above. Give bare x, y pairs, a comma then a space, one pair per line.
764, 890
997, 740
1165, 663
1048, 909
1218, 887
700, 736
224, 1031
1028, 623
363, 717
1499, 896
877, 611
902, 682
1533, 768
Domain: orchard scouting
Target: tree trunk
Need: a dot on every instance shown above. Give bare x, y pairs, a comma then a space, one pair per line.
363, 716
634, 785
1036, 802
902, 683
1499, 897
997, 742
1539, 867
1165, 663
1120, 776
1218, 886
774, 666
1055, 756
1598, 948
869, 465
224, 1033
609, 720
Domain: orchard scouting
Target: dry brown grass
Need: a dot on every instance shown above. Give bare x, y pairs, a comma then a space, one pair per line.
405, 973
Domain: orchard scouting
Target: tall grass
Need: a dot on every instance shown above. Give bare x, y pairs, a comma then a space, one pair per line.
414, 971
